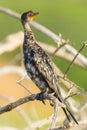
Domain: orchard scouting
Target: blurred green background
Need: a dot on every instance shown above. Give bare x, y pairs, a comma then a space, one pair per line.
68, 17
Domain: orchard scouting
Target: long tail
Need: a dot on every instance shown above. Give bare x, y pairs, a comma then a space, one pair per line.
67, 109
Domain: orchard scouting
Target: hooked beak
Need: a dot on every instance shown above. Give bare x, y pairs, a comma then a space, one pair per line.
33, 15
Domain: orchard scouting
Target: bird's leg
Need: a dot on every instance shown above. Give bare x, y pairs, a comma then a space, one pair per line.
42, 96
19, 82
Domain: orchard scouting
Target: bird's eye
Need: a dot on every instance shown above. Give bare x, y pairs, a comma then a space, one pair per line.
29, 14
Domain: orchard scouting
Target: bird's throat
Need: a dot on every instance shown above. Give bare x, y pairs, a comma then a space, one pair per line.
29, 36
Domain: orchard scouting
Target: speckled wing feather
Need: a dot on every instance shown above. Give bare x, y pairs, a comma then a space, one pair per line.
46, 68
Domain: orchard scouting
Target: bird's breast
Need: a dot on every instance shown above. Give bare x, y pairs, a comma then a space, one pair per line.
33, 71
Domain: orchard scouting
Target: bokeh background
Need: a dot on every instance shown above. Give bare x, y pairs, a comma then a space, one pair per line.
68, 17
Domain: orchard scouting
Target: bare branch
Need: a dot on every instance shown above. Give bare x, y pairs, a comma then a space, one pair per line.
14, 41
20, 111
13, 105
49, 33
32, 97
19, 82
10, 12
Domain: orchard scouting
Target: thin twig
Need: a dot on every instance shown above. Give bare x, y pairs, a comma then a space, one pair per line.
73, 60
57, 49
55, 101
19, 82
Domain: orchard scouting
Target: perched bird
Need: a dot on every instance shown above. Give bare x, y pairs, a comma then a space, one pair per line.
39, 65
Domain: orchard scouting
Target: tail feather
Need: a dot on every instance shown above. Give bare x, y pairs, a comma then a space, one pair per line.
68, 109
68, 117
71, 114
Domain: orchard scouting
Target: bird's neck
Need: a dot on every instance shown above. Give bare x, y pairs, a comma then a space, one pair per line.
28, 34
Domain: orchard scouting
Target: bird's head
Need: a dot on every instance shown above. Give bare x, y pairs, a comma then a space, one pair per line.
28, 16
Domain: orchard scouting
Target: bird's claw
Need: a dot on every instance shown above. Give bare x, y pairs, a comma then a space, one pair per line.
43, 101
40, 96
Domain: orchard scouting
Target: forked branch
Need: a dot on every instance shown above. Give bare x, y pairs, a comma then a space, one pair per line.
32, 97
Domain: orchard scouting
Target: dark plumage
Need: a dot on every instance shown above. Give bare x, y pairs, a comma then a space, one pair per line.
38, 64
